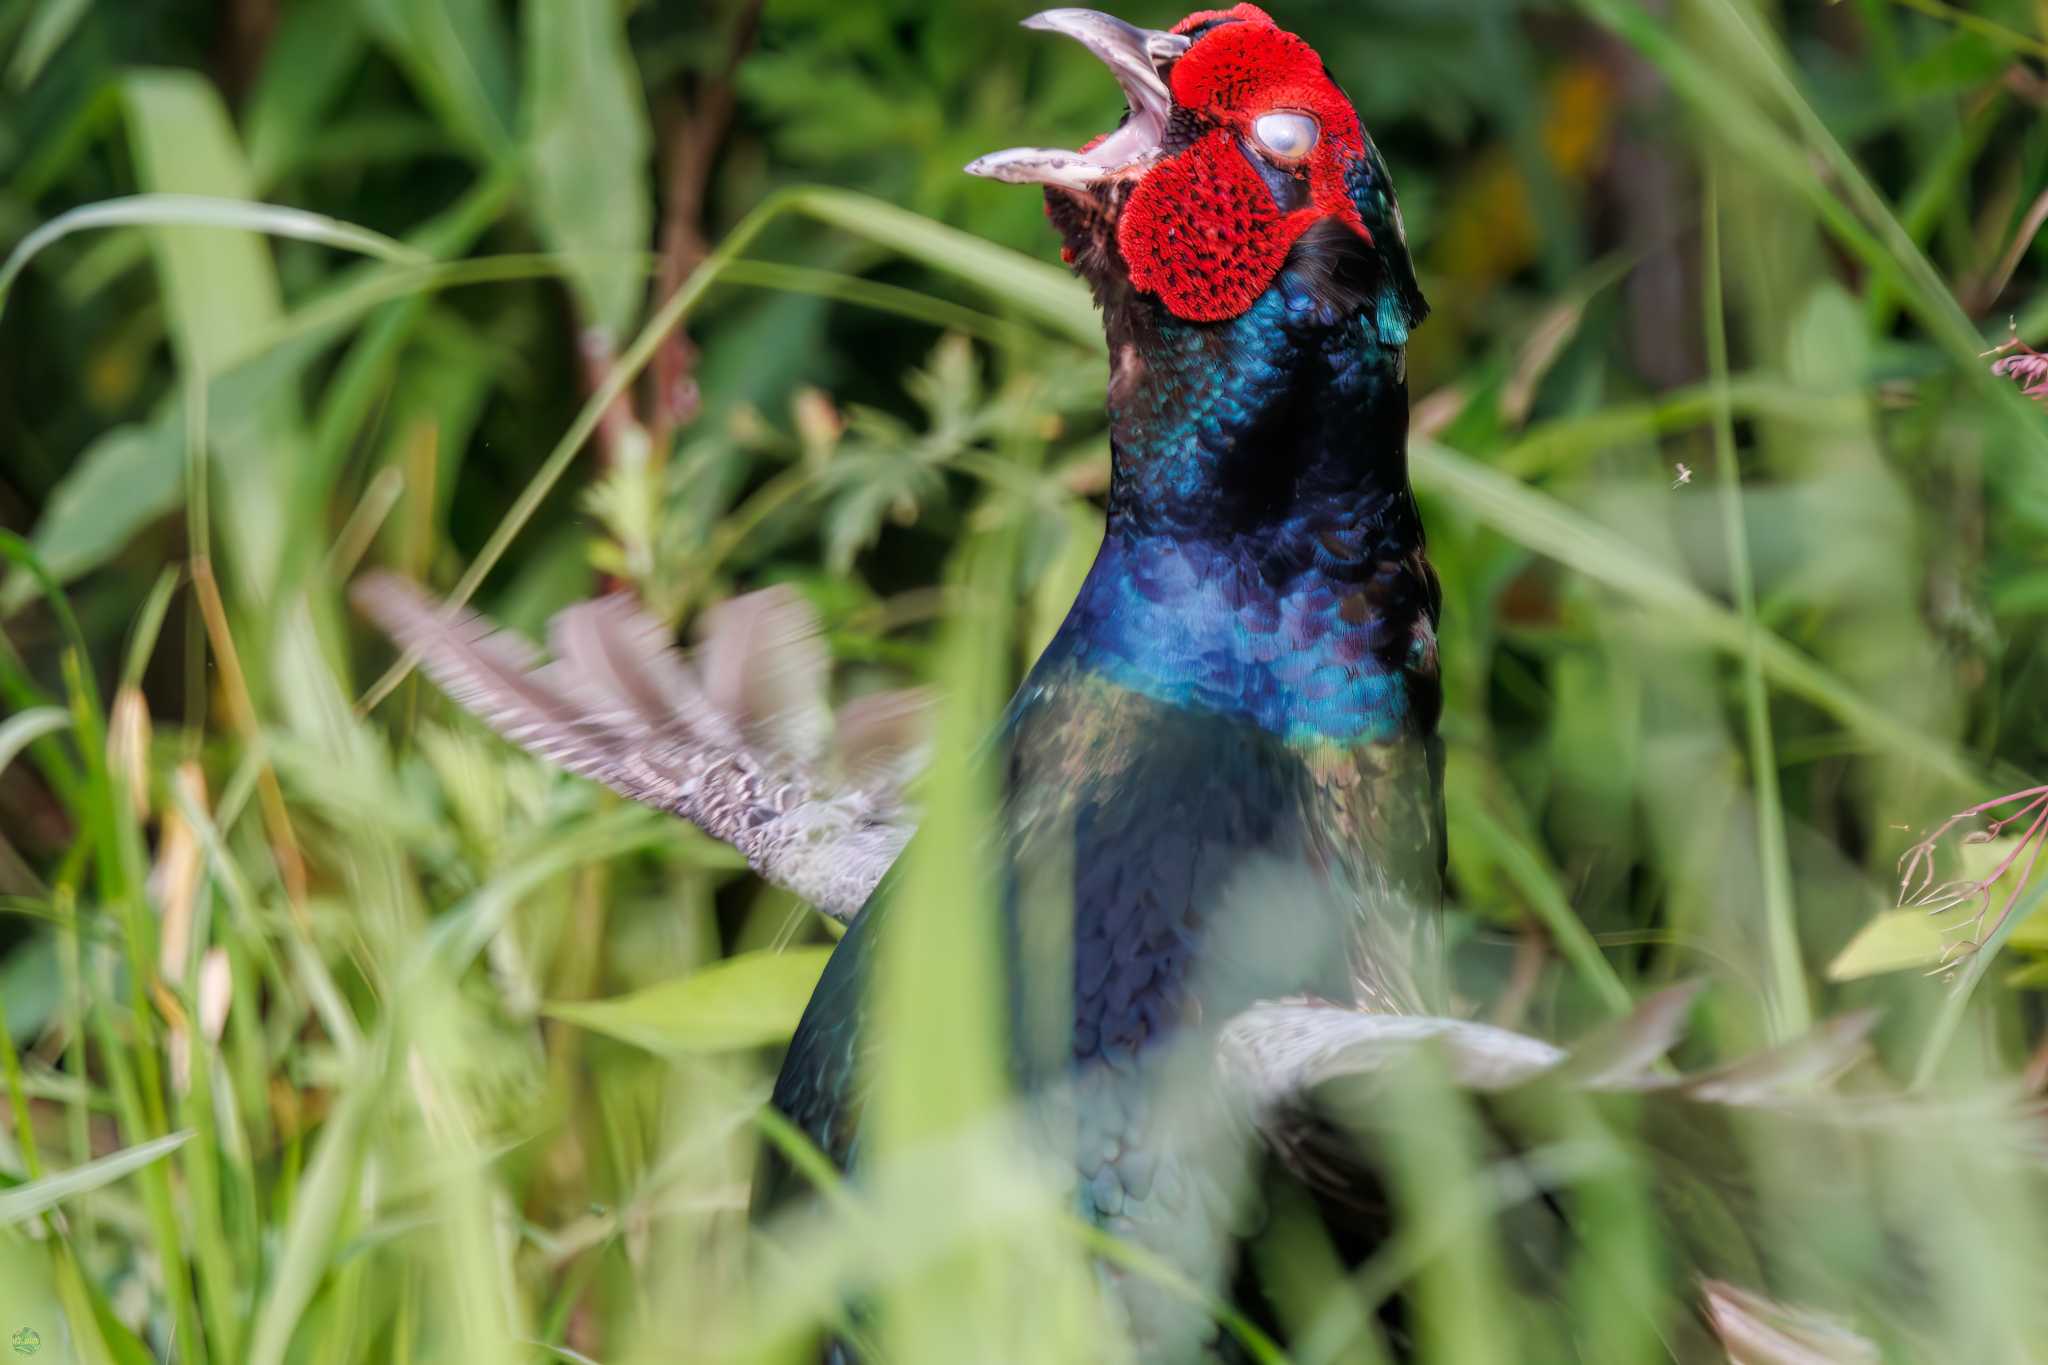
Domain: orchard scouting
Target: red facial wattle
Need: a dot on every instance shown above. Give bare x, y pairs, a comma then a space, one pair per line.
1235, 144
1202, 230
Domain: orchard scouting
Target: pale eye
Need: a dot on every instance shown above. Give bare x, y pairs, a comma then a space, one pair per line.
1285, 134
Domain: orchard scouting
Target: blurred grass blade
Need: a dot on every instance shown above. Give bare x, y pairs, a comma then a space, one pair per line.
49, 27
149, 623
1864, 223
1150, 1266
19, 731
620, 828
860, 291
1949, 1018
319, 1204
128, 478
1525, 867
940, 961
562, 1353
23, 556
1791, 1010
1545, 525
746, 1001
97, 1333
26, 1201
1045, 293
199, 210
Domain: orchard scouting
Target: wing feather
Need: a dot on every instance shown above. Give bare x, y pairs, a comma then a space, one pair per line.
743, 751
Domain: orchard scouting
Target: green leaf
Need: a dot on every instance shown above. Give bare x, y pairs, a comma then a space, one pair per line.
34, 1303
1912, 938
317, 50
1957, 62
1894, 941
53, 23
219, 284
744, 1001
21, 730
588, 146
220, 289
26, 1201
456, 54
866, 488
32, 986
126, 479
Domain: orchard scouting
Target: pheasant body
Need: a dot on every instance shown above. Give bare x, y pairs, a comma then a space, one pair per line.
1220, 783
1166, 869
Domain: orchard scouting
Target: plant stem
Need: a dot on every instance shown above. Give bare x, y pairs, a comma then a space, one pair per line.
1791, 1011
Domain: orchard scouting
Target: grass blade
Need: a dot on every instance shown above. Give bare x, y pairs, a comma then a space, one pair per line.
202, 210
1791, 1011
26, 1201
1540, 522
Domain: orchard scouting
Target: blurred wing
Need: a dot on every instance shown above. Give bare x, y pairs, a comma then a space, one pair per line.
1293, 1069
1760, 1331
745, 752
1278, 1052
1315, 1080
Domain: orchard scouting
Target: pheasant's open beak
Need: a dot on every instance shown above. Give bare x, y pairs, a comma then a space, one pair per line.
1136, 57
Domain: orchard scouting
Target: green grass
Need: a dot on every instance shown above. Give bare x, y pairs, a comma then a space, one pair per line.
335, 1031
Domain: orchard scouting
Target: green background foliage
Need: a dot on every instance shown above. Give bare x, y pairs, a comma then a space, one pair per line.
1742, 547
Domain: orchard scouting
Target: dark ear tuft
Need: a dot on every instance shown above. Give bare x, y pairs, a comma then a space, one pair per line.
1400, 267
1346, 276
1398, 303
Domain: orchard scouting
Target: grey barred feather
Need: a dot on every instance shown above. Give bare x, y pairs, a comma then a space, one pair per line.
1793, 1070
764, 664
1312, 1078
1279, 1050
1275, 1056
1758, 1330
609, 654
881, 739
743, 746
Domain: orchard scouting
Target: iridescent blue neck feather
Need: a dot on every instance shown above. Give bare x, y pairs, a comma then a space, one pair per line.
1263, 559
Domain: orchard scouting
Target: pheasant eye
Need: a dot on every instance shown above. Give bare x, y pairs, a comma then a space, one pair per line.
1286, 135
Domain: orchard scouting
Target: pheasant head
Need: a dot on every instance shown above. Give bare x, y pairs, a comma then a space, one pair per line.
1238, 155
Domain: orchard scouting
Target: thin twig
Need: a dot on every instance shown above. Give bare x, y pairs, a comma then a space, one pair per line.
1986, 292
696, 132
618, 426
284, 842
1975, 23
2022, 82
